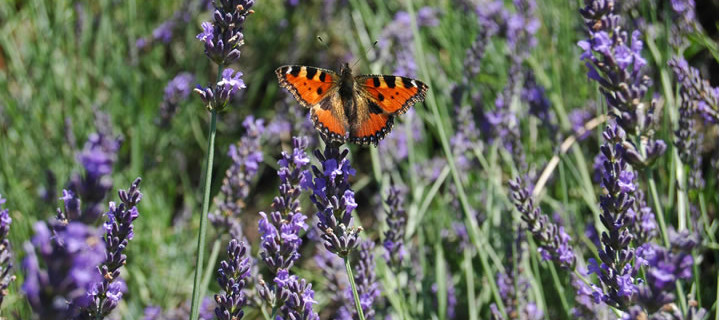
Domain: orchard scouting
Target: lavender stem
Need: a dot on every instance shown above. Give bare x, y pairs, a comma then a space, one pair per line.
351, 278
199, 258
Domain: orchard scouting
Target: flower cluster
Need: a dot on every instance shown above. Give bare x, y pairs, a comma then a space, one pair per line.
246, 157
85, 193
223, 37
614, 60
296, 297
280, 230
232, 275
553, 241
280, 238
119, 230
218, 97
684, 21
334, 200
664, 267
395, 234
70, 253
6, 266
176, 91
616, 202
697, 99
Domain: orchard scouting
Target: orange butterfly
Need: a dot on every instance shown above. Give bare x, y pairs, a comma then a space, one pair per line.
344, 107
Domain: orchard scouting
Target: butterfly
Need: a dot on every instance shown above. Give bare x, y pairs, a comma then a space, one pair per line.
343, 107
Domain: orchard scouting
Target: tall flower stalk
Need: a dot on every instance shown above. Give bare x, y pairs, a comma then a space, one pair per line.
119, 230
288, 296
335, 202
222, 38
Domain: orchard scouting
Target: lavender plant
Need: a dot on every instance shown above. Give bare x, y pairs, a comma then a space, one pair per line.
280, 239
87, 191
615, 270
176, 91
232, 275
222, 39
394, 236
119, 230
553, 242
61, 268
6, 254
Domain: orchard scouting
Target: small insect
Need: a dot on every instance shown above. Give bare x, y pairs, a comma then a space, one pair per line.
358, 109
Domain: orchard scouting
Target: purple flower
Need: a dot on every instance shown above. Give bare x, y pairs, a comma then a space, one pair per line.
218, 97
614, 60
280, 230
246, 157
231, 278
6, 265
176, 91
294, 297
223, 37
334, 200
70, 255
617, 203
394, 236
553, 242
97, 157
106, 293
578, 118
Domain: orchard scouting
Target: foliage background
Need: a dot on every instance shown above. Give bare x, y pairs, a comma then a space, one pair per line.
61, 60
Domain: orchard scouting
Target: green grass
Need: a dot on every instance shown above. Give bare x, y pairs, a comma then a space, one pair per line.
58, 63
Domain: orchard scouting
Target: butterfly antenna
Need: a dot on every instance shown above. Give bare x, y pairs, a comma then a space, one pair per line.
367, 53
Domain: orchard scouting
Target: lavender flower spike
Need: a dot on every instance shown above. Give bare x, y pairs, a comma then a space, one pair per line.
617, 202
176, 91
97, 157
119, 230
6, 265
334, 200
394, 236
233, 273
70, 257
223, 37
552, 240
280, 230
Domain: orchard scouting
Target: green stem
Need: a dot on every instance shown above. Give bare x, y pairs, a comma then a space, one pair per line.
356, 297
199, 258
470, 222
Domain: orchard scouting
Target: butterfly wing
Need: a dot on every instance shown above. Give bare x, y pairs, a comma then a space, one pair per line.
309, 85
380, 99
317, 89
393, 94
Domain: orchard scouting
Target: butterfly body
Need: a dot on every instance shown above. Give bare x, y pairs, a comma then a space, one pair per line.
344, 107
